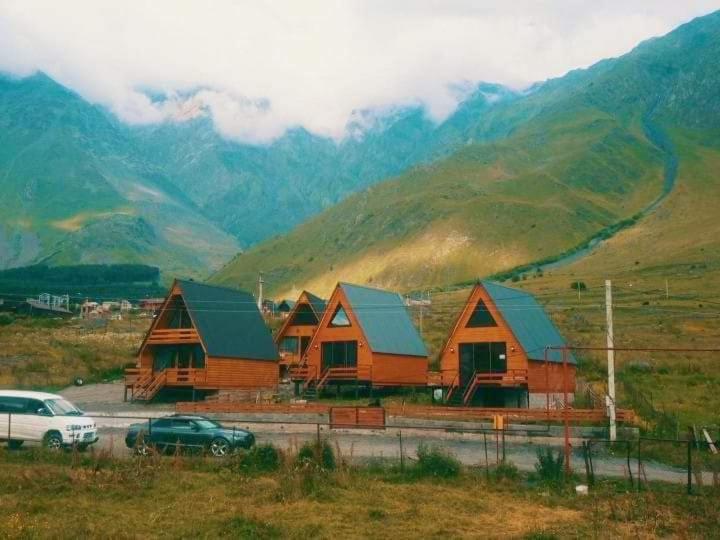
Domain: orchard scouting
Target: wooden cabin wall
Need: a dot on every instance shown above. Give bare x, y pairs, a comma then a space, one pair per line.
348, 333
450, 360
537, 377
239, 373
399, 370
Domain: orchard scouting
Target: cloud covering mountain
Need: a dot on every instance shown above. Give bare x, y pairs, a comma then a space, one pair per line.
258, 69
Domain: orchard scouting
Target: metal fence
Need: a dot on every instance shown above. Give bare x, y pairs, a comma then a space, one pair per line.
689, 464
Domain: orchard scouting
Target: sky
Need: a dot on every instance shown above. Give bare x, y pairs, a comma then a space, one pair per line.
261, 67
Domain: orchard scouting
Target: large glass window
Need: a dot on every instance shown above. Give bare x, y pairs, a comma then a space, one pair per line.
289, 344
339, 354
481, 316
304, 316
482, 358
340, 317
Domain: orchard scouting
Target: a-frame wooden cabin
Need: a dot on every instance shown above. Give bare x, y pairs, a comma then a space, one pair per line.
365, 337
495, 355
293, 337
205, 338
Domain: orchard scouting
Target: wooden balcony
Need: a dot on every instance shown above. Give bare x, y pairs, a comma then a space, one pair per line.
173, 336
510, 378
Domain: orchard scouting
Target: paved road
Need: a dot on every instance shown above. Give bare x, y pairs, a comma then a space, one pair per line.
468, 448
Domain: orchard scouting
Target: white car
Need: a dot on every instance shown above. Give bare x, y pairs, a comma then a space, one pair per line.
46, 418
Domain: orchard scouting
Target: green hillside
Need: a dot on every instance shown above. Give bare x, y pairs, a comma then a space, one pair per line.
75, 192
542, 175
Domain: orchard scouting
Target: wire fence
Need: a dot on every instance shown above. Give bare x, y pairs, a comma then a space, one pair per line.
692, 465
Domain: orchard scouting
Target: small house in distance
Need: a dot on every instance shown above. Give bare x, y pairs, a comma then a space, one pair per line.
206, 338
284, 307
294, 335
365, 337
495, 355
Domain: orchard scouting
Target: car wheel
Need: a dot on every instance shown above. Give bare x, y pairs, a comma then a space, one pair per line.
53, 441
219, 447
15, 445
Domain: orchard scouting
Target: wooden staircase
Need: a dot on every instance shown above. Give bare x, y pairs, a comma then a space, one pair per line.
147, 385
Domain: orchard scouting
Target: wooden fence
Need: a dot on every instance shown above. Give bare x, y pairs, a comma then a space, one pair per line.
357, 417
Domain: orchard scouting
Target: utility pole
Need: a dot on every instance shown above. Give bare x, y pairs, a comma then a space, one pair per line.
667, 290
260, 291
610, 359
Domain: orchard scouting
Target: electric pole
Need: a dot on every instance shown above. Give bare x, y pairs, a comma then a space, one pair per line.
610, 399
260, 291
667, 290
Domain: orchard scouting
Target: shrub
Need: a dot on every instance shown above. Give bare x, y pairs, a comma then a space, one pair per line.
550, 468
578, 286
6, 319
317, 453
437, 462
261, 458
506, 470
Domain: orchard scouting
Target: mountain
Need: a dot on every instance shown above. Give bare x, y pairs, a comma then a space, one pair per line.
75, 191
600, 150
81, 187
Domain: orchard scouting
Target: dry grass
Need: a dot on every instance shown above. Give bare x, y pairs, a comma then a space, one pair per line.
180, 497
42, 353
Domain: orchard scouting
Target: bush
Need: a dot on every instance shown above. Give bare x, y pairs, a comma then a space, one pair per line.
506, 470
437, 462
317, 453
262, 458
578, 286
6, 320
550, 468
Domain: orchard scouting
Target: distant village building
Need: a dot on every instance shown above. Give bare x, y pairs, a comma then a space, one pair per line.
285, 307
47, 305
151, 304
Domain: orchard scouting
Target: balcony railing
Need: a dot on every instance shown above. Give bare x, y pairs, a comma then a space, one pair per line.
173, 336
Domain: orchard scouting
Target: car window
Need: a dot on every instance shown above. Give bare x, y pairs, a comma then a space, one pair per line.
62, 407
35, 405
14, 405
161, 423
180, 424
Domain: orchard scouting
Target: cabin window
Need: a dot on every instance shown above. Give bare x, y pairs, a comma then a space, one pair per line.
340, 318
339, 354
304, 316
289, 344
482, 358
481, 317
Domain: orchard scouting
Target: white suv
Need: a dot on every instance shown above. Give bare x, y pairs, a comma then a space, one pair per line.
45, 418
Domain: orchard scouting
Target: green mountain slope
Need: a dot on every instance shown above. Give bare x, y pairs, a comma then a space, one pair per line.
541, 175
74, 190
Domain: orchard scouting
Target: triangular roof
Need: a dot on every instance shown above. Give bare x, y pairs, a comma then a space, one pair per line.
385, 320
228, 322
528, 321
316, 303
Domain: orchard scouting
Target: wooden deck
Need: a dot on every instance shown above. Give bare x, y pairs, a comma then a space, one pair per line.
173, 336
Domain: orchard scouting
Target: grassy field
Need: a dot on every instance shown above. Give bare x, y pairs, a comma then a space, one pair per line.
69, 497
51, 353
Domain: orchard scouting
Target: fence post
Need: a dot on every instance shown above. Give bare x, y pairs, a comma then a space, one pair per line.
318, 434
629, 444
487, 463
9, 423
689, 466
639, 460
402, 453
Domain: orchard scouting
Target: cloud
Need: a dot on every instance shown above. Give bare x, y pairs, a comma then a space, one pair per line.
259, 68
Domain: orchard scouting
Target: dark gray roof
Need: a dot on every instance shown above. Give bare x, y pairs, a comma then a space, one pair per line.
384, 320
528, 321
317, 303
228, 322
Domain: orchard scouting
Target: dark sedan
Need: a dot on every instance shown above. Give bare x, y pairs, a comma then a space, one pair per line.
187, 431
